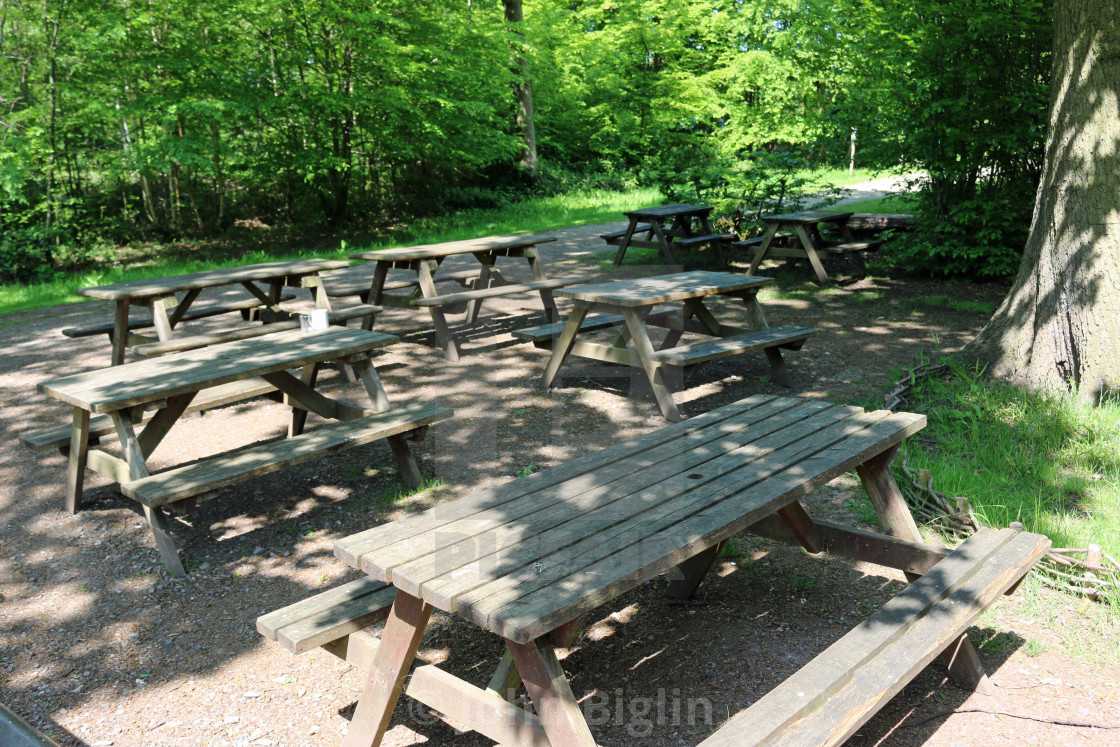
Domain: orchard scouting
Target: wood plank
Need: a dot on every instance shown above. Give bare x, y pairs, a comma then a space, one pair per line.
859, 544
711, 238
177, 344
137, 383
664, 288
711, 518
450, 248
269, 625
334, 617
194, 313
411, 562
590, 324
134, 289
496, 291
724, 347
660, 508
351, 549
232, 467
807, 217
838, 691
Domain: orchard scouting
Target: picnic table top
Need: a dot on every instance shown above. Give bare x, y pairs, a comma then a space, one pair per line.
660, 212
209, 278
447, 249
153, 379
664, 288
526, 557
807, 217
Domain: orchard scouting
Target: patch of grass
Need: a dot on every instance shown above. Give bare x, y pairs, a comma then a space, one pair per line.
534, 215
730, 550
893, 204
801, 581
527, 470
1046, 459
389, 496
862, 508
1034, 648
987, 308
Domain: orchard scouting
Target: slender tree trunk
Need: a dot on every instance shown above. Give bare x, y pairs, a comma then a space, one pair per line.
523, 90
1060, 323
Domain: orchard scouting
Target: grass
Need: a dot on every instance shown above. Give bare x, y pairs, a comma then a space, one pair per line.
1045, 459
893, 204
534, 215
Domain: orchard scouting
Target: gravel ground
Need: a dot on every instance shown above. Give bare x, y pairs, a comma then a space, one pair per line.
100, 647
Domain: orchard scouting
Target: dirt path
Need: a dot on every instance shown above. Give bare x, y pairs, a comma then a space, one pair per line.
99, 647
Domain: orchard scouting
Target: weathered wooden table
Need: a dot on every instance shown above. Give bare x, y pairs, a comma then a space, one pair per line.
631, 305
681, 231
810, 244
425, 259
169, 383
528, 559
167, 310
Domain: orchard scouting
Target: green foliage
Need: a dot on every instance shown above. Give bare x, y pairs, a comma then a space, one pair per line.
1045, 459
961, 88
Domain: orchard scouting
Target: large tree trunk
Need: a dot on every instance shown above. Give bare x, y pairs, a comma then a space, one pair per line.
1060, 324
523, 90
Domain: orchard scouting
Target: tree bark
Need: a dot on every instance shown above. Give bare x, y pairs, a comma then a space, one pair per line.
1060, 324
523, 90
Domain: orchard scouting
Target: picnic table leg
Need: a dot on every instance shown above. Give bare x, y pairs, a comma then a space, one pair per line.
377, 286
552, 696
756, 317
156, 516
76, 467
563, 345
625, 243
485, 280
760, 252
506, 679
875, 474
685, 579
372, 383
185, 304
400, 640
160, 319
666, 252
308, 375
673, 336
811, 253
443, 332
653, 369
120, 332
532, 255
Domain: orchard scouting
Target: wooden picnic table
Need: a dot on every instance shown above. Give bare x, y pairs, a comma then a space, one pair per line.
688, 228
805, 228
424, 260
631, 305
167, 310
168, 384
528, 559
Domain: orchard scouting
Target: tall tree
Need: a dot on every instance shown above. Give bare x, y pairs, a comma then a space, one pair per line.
1060, 323
523, 90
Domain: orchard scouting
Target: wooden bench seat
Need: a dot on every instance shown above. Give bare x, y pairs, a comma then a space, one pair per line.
853, 246
199, 478
329, 616
496, 291
711, 238
841, 689
881, 221
192, 342
615, 236
545, 333
768, 340
246, 307
757, 241
58, 437
360, 288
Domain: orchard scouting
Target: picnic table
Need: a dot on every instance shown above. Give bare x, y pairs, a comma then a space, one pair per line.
488, 282
804, 228
528, 559
167, 310
688, 229
633, 306
168, 384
